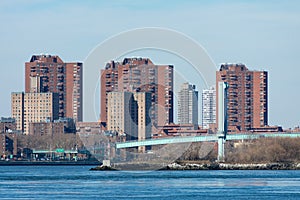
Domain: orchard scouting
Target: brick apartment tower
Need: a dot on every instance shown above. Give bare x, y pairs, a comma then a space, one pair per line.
140, 75
46, 73
247, 105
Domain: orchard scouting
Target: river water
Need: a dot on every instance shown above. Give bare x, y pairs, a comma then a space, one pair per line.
77, 182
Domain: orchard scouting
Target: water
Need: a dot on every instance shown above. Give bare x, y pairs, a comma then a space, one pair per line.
77, 182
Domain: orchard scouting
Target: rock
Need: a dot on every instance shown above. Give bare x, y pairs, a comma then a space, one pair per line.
103, 168
175, 166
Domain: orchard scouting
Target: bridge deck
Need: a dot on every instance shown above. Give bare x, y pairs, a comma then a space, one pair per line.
202, 138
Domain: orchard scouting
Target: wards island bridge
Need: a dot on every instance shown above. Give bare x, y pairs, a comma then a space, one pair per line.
203, 138
220, 139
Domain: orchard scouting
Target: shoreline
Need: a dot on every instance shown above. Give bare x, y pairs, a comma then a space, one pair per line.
171, 167
207, 166
235, 166
48, 163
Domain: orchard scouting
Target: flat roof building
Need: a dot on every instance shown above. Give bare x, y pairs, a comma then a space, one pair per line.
140, 75
188, 105
33, 107
208, 107
47, 73
122, 114
247, 97
128, 113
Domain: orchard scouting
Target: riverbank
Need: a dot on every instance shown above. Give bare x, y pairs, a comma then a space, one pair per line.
205, 166
173, 166
54, 163
229, 166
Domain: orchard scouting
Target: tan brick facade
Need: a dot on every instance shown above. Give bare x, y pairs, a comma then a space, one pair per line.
33, 107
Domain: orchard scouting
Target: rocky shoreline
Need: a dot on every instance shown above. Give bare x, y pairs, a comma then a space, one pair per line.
215, 166
228, 166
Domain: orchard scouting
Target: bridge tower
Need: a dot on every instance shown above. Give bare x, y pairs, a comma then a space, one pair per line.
222, 119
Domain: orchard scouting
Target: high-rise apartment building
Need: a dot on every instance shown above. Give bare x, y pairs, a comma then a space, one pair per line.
121, 117
208, 107
128, 113
143, 101
247, 97
46, 73
140, 75
188, 105
33, 107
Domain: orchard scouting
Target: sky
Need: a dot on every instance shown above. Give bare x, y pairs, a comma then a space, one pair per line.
262, 34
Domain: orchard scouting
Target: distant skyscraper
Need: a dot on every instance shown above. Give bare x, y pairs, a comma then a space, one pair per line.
247, 104
33, 107
188, 105
46, 73
128, 112
208, 107
140, 75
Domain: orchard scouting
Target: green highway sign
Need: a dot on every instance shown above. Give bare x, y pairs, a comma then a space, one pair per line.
60, 150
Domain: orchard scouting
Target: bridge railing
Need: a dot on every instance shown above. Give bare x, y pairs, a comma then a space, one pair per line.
202, 138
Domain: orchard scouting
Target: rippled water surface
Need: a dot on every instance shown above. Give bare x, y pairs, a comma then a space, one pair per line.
77, 182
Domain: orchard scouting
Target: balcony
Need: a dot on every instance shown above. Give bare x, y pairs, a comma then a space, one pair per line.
248, 86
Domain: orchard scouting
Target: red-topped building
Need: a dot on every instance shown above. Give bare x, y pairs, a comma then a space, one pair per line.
140, 75
247, 97
46, 73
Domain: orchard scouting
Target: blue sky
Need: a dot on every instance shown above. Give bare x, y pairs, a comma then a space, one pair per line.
263, 35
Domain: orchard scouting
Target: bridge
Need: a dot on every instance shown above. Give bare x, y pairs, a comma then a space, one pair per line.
203, 138
221, 137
